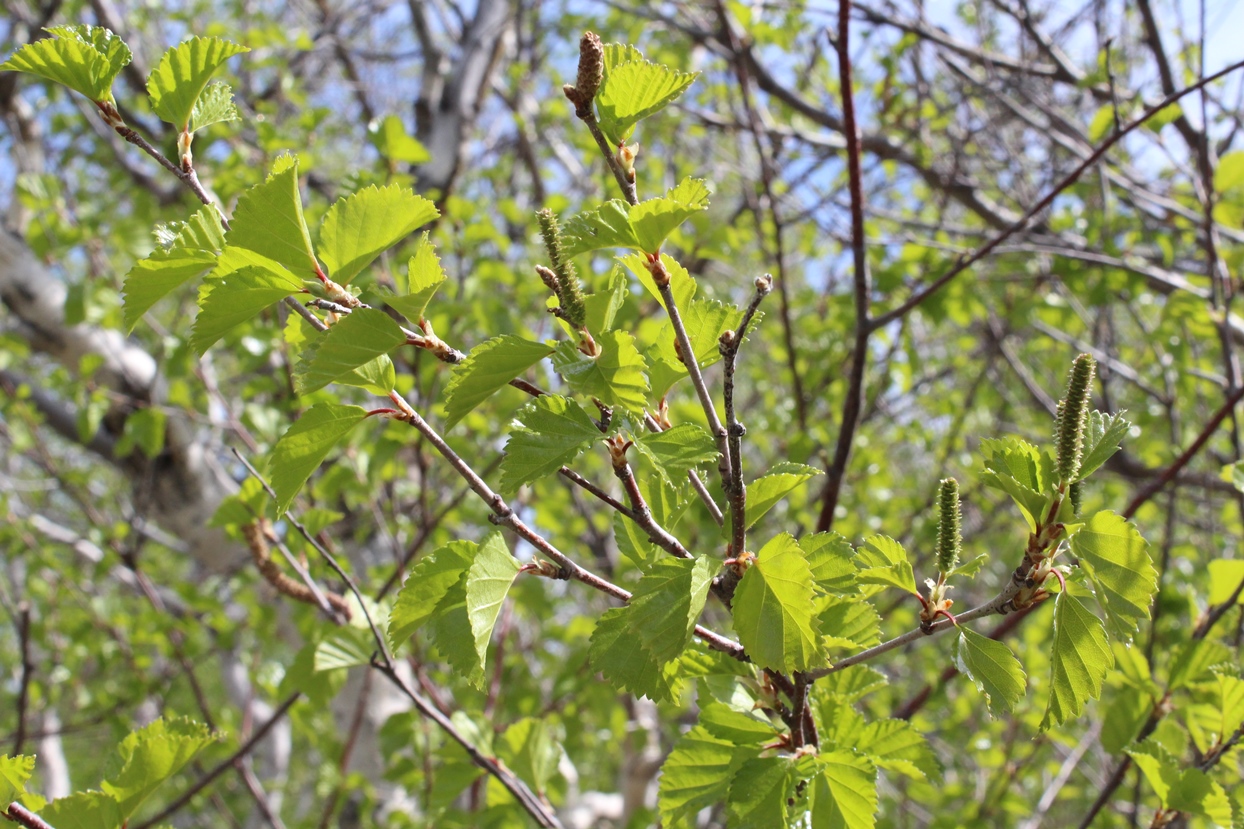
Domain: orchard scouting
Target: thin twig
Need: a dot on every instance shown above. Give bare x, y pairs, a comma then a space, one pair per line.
22, 816
642, 515
28, 672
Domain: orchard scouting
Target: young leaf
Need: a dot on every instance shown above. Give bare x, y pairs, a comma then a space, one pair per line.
1105, 432
395, 144
1018, 469
489, 367
214, 106
268, 220
632, 91
666, 604
758, 793
608, 227
14, 772
896, 746
654, 219
424, 588
739, 727
1188, 790
617, 653
1079, 660
1224, 576
229, 301
84, 58
764, 493
192, 253
350, 343
844, 793
179, 78
554, 431
304, 446
773, 609
530, 750
677, 450
698, 772
882, 560
682, 285
345, 647
150, 756
1113, 554
616, 376
424, 275
488, 580
994, 669
84, 810
832, 561
359, 227
633, 543
602, 307
849, 623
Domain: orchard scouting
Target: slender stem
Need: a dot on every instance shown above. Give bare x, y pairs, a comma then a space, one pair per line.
862, 281
624, 181
28, 671
642, 515
24, 817
574, 477
1071, 178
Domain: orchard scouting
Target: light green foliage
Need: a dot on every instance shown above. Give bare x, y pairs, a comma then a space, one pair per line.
531, 749
424, 275
228, 301
844, 792
633, 89
666, 604
488, 580
993, 667
1079, 660
1101, 440
552, 432
1022, 471
84, 810
396, 144
758, 793
303, 447
768, 490
268, 220
1115, 556
424, 588
773, 612
178, 80
682, 284
351, 343
214, 106
1224, 576
882, 560
84, 58
642, 227
1218, 712
615, 377
345, 647
677, 450
191, 254
489, 367
832, 561
621, 656
849, 622
15, 772
1186, 789
698, 772
359, 227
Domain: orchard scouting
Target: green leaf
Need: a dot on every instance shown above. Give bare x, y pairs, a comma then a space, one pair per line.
602, 307
1218, 712
424, 275
1079, 660
631, 91
1188, 790
677, 450
970, 568
396, 144
345, 647
607, 227
488, 580
773, 609
268, 220
1224, 576
739, 727
633, 542
227, 302
14, 772
844, 793
192, 253
351, 342
666, 604
764, 493
1113, 554
682, 285
832, 561
301, 676
150, 756
426, 586
882, 560
698, 772
621, 657
304, 446
896, 746
849, 623
84, 810
553, 431
654, 219
1125, 713
853, 683
359, 227
615, 377
758, 793
1017, 468
1105, 432
214, 106
529, 749
489, 367
184, 70
993, 668
84, 58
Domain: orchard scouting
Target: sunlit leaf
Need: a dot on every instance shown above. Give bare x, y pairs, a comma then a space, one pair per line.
552, 432
489, 367
1113, 553
182, 73
358, 228
773, 609
306, 443
1079, 660
993, 667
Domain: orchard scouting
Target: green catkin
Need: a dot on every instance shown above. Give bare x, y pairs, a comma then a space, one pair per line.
1073, 417
568, 291
949, 533
1076, 494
